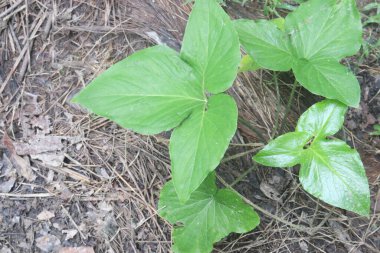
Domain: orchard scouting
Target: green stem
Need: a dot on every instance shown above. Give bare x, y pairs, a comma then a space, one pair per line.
278, 103
288, 106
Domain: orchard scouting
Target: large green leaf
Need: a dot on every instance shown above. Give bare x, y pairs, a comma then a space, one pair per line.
149, 92
317, 36
322, 119
284, 151
330, 170
199, 143
208, 216
211, 46
266, 43
325, 29
333, 172
329, 79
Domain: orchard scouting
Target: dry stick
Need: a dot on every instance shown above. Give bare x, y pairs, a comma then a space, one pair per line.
6, 12
30, 195
22, 54
72, 221
301, 228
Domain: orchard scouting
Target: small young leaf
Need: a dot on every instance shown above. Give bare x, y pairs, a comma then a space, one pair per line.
211, 46
208, 216
333, 172
284, 151
265, 43
199, 143
248, 64
329, 79
322, 119
149, 92
330, 169
325, 29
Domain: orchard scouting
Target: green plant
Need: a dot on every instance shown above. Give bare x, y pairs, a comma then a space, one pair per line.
330, 169
311, 41
157, 89
316, 36
376, 130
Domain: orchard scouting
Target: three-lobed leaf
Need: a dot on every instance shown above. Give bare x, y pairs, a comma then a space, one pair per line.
330, 169
317, 36
157, 89
209, 215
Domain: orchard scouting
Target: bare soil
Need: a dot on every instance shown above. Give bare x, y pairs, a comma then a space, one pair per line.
72, 181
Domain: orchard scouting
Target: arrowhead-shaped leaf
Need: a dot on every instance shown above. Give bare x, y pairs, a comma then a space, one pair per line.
322, 119
149, 92
333, 172
284, 151
211, 46
325, 29
329, 79
330, 169
199, 143
208, 216
317, 36
266, 43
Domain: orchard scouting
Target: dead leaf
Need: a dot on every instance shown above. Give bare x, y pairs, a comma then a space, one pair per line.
70, 233
50, 159
39, 144
45, 215
23, 168
270, 192
6, 186
77, 250
48, 243
22, 165
41, 124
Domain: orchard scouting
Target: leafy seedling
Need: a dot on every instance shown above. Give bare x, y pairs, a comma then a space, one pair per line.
157, 89
209, 215
330, 169
316, 36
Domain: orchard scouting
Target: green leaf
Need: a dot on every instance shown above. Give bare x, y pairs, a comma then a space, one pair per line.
279, 22
149, 92
284, 151
328, 78
322, 119
208, 216
330, 169
333, 172
248, 64
318, 34
211, 46
199, 143
325, 29
265, 43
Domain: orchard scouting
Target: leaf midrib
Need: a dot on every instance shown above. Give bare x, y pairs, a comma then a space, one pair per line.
141, 95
